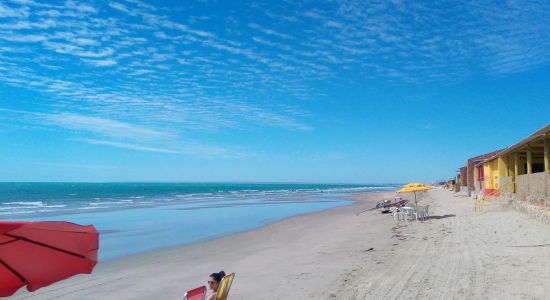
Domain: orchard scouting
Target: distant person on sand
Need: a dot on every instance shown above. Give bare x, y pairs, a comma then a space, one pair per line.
214, 284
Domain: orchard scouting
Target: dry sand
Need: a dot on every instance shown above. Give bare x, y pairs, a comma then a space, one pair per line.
337, 254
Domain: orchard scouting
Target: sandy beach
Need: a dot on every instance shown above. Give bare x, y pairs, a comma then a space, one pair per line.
338, 254
153, 143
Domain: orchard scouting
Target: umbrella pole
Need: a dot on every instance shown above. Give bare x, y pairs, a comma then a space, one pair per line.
415, 203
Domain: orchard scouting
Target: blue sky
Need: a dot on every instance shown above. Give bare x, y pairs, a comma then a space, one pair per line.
312, 91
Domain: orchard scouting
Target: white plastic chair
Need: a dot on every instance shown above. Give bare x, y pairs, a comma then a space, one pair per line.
408, 212
423, 212
414, 214
420, 213
402, 214
394, 212
427, 211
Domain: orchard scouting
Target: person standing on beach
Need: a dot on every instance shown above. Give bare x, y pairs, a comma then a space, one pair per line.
214, 283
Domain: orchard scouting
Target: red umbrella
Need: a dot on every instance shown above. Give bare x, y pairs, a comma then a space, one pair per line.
37, 254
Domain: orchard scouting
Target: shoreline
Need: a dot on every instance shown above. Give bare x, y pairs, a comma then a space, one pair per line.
356, 198
132, 231
196, 260
177, 193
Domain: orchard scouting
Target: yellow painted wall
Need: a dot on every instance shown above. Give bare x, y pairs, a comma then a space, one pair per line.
510, 165
490, 169
494, 173
502, 171
487, 178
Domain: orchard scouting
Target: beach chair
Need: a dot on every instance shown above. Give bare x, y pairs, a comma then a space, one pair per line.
423, 212
415, 214
196, 294
394, 212
407, 213
225, 285
401, 214
427, 211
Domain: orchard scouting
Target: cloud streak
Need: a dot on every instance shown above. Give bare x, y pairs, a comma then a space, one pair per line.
128, 146
184, 149
105, 127
116, 134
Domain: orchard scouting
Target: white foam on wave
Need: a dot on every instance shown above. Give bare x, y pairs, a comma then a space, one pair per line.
185, 196
95, 207
18, 212
99, 203
54, 206
26, 203
26, 209
112, 203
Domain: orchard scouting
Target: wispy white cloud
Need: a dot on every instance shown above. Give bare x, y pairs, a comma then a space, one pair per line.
6, 11
28, 38
269, 31
80, 6
112, 133
74, 166
101, 62
106, 127
121, 7
127, 146
185, 149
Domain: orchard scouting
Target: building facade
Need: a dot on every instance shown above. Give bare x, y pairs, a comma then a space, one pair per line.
521, 171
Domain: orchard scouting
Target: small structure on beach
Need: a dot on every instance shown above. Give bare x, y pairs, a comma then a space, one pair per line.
461, 180
463, 177
475, 174
521, 171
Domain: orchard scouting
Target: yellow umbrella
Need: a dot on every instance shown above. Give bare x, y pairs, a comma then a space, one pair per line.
413, 188
414, 184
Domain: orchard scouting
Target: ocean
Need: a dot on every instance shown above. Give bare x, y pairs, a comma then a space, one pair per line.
139, 217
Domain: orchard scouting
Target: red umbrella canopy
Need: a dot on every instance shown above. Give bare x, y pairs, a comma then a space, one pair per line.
37, 254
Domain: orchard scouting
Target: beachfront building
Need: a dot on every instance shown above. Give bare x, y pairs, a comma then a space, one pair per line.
520, 172
458, 184
491, 179
463, 177
461, 185
475, 174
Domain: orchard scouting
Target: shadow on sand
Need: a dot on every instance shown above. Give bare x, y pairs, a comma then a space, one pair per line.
441, 217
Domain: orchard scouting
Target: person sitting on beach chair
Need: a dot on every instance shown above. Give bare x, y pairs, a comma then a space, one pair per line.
214, 283
219, 284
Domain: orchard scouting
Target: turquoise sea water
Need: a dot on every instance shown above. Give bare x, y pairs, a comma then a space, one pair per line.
138, 217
